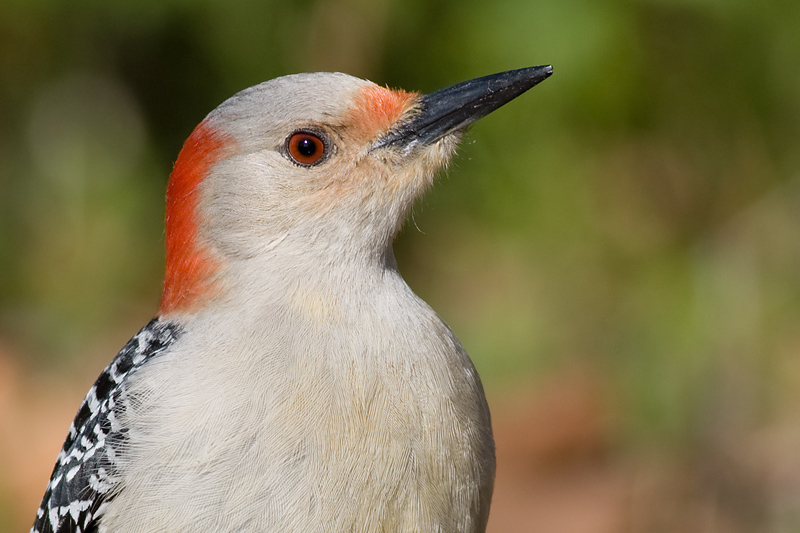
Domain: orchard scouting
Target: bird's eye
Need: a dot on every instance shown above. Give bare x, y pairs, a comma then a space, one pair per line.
305, 148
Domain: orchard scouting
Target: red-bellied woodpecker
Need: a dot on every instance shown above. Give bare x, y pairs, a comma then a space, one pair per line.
291, 380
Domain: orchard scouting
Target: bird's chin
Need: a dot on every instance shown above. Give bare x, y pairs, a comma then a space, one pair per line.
442, 151
412, 175
429, 159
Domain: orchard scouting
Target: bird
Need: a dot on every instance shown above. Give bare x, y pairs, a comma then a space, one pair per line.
291, 380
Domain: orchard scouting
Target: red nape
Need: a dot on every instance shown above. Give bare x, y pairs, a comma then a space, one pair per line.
189, 267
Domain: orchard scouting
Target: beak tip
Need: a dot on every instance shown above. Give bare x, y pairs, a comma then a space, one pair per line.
538, 74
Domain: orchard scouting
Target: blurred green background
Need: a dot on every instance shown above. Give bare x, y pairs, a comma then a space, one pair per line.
630, 228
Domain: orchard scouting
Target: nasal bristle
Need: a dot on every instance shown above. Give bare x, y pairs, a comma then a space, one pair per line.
377, 108
189, 267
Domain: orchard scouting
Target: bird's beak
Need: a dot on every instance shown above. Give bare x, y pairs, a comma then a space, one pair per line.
458, 106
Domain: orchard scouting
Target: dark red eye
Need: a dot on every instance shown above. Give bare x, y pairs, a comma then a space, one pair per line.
305, 148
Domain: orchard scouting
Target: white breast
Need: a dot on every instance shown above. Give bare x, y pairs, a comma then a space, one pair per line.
327, 416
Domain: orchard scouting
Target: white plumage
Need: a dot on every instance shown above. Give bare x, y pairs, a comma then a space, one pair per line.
296, 383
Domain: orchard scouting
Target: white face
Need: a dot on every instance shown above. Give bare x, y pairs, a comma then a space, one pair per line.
298, 165
310, 170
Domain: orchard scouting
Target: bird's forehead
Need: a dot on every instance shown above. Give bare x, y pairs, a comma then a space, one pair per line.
326, 98
311, 96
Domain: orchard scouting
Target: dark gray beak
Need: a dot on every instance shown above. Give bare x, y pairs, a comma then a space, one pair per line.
460, 105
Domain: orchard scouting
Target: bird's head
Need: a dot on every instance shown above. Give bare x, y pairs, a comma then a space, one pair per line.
311, 167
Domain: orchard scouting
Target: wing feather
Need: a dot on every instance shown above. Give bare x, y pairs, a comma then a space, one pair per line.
85, 476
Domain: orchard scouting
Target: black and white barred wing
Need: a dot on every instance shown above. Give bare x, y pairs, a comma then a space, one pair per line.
84, 478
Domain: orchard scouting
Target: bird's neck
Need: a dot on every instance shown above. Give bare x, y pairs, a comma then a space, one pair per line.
314, 282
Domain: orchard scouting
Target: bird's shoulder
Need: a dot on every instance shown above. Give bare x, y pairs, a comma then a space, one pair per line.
84, 477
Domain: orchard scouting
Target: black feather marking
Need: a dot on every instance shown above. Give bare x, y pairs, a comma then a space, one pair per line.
84, 476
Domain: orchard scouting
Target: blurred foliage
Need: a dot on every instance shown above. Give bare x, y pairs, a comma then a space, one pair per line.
637, 214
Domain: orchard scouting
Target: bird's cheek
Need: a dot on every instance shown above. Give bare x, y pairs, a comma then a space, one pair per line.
325, 187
